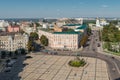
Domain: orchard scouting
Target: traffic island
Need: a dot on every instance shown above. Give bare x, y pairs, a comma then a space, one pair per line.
77, 62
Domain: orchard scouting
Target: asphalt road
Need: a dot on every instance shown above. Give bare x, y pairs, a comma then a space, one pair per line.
91, 51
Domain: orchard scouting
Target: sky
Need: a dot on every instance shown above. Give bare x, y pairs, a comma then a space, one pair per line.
59, 8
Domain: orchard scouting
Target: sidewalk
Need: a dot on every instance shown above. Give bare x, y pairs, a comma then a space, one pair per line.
100, 50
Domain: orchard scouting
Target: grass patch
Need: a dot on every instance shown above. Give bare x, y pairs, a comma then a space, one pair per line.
77, 62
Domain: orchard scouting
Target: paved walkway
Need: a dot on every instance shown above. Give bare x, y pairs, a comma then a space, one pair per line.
48, 67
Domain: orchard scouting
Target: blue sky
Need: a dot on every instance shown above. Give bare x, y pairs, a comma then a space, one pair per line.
59, 8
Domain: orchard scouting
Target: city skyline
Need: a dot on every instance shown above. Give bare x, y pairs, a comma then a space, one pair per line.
59, 8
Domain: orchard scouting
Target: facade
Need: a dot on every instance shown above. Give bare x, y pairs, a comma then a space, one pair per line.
13, 42
3, 25
13, 28
62, 40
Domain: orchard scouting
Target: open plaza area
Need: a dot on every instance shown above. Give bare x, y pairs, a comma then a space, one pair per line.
43, 67
51, 67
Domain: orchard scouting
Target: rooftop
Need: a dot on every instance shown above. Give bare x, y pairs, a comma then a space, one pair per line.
67, 32
82, 27
72, 25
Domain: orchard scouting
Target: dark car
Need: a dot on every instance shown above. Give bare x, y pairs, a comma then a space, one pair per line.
7, 69
27, 57
98, 45
113, 57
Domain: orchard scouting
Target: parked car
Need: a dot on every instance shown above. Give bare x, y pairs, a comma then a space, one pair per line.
98, 45
7, 69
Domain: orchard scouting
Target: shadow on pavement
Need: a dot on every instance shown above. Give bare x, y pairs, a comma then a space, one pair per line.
117, 79
16, 68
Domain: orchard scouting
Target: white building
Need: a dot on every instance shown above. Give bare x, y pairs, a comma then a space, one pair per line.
80, 20
13, 42
101, 23
44, 25
3, 25
98, 23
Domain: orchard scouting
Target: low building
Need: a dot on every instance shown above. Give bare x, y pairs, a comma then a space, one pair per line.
13, 42
13, 28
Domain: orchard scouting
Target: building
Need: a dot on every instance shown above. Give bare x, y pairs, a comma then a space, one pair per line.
98, 23
13, 28
118, 25
57, 28
101, 23
13, 42
81, 28
62, 40
3, 25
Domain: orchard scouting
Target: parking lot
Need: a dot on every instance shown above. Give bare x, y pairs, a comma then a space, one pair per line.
50, 67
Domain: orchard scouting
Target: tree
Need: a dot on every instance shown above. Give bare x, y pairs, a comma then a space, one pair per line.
10, 54
3, 54
34, 35
29, 45
22, 51
88, 30
16, 52
33, 48
83, 40
44, 40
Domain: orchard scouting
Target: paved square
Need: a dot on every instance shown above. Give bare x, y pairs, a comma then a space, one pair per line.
48, 67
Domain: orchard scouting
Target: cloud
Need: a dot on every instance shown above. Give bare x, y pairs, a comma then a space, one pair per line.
104, 6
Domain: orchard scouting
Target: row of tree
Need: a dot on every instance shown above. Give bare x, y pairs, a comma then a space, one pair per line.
83, 40
4, 54
31, 43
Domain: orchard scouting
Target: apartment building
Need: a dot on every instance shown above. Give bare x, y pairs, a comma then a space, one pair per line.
13, 42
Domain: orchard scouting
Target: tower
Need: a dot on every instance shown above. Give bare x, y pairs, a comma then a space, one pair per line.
97, 22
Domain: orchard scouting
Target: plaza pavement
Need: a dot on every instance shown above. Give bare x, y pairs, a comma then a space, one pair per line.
50, 67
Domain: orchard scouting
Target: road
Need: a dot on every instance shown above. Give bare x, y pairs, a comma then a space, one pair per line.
91, 51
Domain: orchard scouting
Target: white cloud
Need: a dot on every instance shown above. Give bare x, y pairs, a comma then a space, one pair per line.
104, 6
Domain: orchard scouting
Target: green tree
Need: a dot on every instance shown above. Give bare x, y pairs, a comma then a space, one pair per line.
23, 51
3, 54
16, 52
88, 30
29, 45
34, 35
44, 40
84, 40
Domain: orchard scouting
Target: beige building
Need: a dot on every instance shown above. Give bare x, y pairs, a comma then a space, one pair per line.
13, 42
62, 40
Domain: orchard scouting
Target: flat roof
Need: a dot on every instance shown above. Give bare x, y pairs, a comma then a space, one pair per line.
67, 32
72, 25
82, 26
